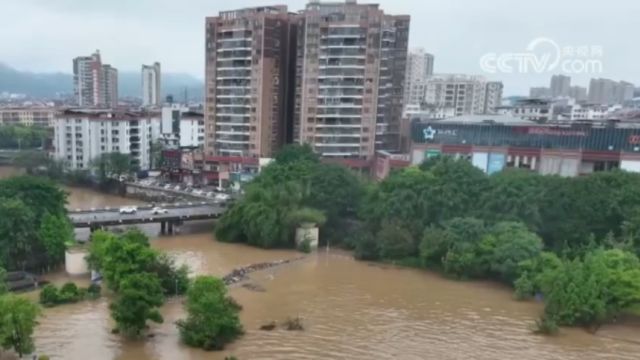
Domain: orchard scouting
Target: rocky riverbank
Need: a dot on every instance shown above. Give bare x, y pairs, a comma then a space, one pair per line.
240, 274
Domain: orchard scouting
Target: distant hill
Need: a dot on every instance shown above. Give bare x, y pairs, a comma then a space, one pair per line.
48, 85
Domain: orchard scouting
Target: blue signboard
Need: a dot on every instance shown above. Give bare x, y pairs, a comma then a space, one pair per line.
496, 163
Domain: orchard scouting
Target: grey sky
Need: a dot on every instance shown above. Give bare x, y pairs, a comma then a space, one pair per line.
44, 35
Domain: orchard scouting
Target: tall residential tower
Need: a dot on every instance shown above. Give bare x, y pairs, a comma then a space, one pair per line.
419, 69
151, 90
351, 68
94, 84
249, 68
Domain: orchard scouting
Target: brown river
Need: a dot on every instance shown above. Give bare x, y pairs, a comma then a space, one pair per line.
350, 309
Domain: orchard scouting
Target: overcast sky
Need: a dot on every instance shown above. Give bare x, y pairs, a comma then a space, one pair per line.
44, 35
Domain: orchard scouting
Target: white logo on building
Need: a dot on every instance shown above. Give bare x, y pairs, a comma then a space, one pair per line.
429, 133
545, 55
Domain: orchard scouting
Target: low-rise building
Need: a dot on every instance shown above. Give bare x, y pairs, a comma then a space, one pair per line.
493, 143
27, 116
533, 109
83, 135
182, 127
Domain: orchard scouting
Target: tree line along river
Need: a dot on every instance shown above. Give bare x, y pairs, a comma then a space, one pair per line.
350, 309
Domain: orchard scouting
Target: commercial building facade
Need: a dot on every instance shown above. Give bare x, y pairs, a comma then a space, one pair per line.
249, 63
547, 149
351, 64
81, 136
151, 85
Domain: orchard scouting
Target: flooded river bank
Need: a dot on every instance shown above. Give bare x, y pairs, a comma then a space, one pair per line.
350, 309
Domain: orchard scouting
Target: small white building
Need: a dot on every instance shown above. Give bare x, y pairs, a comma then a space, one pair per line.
182, 127
82, 135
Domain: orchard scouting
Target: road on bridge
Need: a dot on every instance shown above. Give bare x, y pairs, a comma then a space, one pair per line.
109, 217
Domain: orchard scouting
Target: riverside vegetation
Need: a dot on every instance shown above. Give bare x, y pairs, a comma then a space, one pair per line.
574, 242
142, 277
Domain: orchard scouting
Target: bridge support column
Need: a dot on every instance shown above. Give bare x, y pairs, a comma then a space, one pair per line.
170, 227
163, 227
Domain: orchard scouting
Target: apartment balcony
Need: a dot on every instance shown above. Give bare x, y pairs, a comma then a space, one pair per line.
234, 44
232, 123
228, 112
232, 132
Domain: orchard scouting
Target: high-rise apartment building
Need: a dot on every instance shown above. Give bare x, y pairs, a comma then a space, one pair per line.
151, 90
578, 93
608, 92
351, 70
87, 74
560, 85
95, 84
110, 86
465, 94
249, 74
419, 69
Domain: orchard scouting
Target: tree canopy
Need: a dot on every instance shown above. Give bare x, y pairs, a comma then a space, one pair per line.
212, 318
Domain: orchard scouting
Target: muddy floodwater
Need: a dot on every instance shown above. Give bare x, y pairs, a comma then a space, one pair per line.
350, 309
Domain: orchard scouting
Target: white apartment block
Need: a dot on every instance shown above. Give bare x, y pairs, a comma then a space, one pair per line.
589, 112
182, 127
27, 116
80, 136
192, 131
465, 94
537, 110
419, 69
151, 90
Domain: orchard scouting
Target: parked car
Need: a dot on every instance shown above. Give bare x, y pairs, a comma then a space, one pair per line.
128, 210
222, 197
158, 210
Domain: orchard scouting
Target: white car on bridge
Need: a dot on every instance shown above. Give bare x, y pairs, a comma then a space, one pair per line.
128, 210
158, 210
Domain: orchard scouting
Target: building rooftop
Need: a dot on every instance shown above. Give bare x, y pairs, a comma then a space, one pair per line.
487, 119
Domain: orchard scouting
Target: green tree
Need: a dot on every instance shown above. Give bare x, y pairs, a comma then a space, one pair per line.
456, 190
40, 195
56, 233
404, 196
156, 148
124, 258
174, 280
506, 246
3, 284
49, 296
295, 153
395, 242
588, 292
514, 195
17, 322
365, 245
113, 165
463, 236
137, 301
212, 320
18, 238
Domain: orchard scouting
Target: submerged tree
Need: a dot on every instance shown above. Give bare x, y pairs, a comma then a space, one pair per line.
138, 299
17, 322
212, 320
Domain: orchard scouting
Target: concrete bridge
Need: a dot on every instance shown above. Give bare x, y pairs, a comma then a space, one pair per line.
175, 215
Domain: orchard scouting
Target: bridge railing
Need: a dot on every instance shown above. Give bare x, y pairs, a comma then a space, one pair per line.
185, 205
